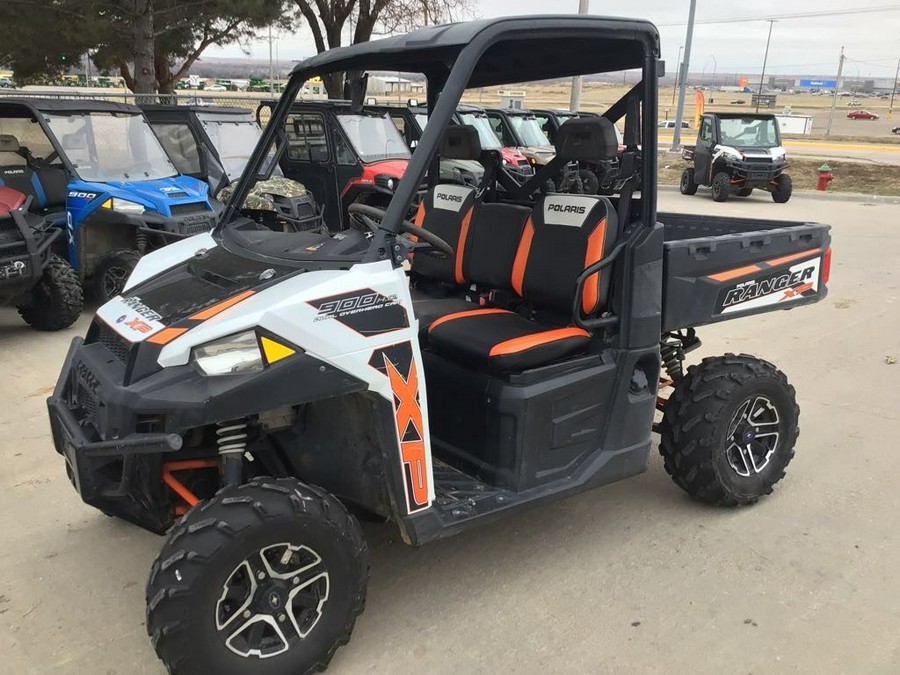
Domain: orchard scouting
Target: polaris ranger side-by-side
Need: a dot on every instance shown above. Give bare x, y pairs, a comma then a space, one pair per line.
250, 388
214, 144
735, 154
96, 169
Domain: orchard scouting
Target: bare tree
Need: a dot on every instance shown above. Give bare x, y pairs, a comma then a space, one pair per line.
327, 19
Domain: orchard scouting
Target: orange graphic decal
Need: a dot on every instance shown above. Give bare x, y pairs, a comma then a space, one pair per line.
410, 430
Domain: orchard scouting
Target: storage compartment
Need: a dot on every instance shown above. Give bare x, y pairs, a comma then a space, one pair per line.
719, 268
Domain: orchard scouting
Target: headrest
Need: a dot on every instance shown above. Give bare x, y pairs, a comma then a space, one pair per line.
9, 143
586, 139
461, 142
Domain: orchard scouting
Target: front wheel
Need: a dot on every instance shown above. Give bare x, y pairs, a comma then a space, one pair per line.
55, 301
265, 578
783, 189
112, 273
721, 187
688, 185
729, 429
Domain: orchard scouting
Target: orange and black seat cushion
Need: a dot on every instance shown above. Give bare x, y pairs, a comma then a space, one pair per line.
564, 235
501, 340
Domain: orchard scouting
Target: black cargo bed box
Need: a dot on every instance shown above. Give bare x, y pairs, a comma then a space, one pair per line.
718, 268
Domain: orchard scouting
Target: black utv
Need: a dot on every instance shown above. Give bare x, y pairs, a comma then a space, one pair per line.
735, 154
34, 276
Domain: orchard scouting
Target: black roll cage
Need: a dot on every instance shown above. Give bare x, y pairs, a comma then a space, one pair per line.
449, 55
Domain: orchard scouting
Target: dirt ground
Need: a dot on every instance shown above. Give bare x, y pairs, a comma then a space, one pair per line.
631, 578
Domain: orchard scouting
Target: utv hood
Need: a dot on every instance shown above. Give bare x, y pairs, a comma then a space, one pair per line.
160, 195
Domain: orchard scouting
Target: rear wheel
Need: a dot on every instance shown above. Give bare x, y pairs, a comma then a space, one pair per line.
688, 185
265, 578
721, 187
729, 429
784, 187
112, 272
56, 300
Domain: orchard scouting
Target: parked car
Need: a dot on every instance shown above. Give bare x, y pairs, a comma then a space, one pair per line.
216, 87
738, 101
670, 124
861, 115
895, 130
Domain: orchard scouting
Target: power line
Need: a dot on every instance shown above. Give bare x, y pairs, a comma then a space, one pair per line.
795, 15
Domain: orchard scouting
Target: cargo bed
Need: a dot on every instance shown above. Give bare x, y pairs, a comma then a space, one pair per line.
718, 268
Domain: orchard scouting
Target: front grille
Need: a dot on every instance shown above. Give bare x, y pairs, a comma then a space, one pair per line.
11, 241
197, 228
86, 402
116, 345
758, 160
188, 209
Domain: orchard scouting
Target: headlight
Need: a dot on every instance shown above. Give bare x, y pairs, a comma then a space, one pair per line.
234, 354
124, 206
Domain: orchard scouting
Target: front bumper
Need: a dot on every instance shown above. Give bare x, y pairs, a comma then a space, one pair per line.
22, 260
118, 476
757, 174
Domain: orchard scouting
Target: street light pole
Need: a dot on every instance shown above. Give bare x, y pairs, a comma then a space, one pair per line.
677, 73
837, 92
682, 88
575, 98
765, 61
894, 90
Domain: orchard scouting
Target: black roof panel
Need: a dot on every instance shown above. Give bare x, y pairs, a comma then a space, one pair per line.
63, 105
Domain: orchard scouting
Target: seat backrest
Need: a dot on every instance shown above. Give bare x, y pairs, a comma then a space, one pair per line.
565, 235
22, 178
55, 184
446, 210
491, 245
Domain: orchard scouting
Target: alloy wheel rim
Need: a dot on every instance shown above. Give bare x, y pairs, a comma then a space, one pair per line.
753, 436
114, 280
272, 600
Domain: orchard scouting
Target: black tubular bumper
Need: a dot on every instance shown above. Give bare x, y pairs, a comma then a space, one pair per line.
118, 476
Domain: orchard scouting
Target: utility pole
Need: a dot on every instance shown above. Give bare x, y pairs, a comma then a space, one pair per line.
677, 74
894, 91
271, 65
682, 85
575, 98
765, 62
837, 92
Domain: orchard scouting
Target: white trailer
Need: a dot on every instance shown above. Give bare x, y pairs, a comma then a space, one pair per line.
795, 124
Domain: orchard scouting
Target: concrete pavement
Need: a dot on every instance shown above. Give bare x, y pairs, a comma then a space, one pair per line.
632, 578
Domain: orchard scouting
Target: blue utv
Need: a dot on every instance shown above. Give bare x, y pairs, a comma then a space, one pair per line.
97, 169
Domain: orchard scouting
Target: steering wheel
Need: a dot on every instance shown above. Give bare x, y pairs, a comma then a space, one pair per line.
372, 217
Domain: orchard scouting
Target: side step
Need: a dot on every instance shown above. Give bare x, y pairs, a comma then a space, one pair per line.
458, 495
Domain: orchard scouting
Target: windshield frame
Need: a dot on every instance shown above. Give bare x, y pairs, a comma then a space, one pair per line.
738, 119
356, 140
52, 120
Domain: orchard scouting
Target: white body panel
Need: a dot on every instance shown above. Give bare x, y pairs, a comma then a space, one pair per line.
168, 256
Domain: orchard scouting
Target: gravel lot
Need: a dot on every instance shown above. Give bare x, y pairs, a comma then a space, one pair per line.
633, 578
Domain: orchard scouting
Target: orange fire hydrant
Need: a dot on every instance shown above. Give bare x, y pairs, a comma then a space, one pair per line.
825, 177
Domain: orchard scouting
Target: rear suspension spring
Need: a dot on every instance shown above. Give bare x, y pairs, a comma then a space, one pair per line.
672, 354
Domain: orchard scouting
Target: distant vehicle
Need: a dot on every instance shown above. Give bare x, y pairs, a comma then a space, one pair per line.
216, 87
861, 115
670, 124
738, 101
7, 83
895, 130
854, 104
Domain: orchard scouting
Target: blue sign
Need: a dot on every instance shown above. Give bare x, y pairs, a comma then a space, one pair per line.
819, 84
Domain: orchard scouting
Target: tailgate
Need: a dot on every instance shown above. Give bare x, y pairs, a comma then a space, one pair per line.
723, 268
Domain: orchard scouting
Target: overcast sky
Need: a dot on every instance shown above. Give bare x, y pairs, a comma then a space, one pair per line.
807, 45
